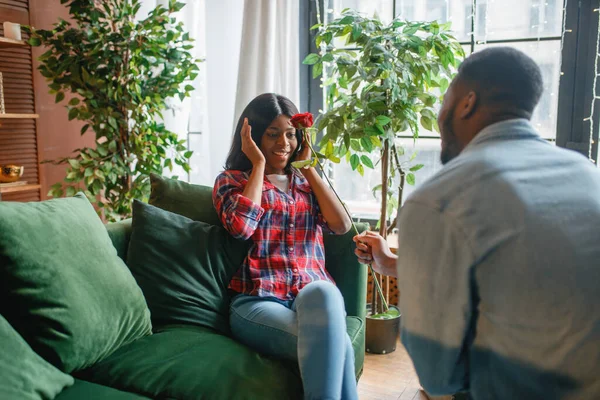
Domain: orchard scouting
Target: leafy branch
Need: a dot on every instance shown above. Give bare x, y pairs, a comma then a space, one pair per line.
117, 74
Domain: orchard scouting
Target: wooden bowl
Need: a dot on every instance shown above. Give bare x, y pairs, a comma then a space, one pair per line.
11, 173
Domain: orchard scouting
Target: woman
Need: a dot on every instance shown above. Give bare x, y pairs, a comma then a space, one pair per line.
285, 303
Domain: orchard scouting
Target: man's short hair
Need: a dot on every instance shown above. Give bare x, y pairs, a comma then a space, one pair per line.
504, 77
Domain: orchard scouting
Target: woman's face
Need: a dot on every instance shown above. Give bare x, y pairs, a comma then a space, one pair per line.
278, 143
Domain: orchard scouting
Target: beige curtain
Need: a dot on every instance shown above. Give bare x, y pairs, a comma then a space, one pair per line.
269, 52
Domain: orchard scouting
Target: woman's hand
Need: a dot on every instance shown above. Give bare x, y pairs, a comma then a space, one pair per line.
304, 153
249, 147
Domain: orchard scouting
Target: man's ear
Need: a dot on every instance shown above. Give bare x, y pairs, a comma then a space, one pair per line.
468, 105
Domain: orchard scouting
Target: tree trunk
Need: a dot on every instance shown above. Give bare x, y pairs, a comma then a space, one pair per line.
376, 304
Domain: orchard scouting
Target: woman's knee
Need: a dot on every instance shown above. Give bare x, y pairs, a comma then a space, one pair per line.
321, 293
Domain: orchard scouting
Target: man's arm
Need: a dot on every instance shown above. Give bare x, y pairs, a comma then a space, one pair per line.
434, 264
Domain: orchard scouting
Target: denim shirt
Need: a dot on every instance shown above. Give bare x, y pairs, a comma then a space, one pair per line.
499, 271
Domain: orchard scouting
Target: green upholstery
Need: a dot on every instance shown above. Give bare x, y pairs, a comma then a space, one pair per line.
63, 287
189, 362
23, 374
183, 267
189, 200
83, 390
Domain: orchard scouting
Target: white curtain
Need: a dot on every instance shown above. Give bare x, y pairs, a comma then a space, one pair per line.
269, 52
189, 116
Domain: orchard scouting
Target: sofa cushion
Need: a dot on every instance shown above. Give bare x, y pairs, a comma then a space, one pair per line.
189, 200
92, 391
63, 287
190, 362
23, 374
356, 330
183, 267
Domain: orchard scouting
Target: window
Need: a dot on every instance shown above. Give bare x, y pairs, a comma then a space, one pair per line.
533, 26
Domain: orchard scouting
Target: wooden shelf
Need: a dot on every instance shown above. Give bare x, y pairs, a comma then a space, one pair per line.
18, 116
22, 188
11, 43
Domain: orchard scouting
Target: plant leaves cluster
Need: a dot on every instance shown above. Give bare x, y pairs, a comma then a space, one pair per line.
116, 74
381, 81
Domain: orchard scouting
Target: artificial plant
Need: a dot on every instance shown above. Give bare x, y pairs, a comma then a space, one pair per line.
117, 73
381, 81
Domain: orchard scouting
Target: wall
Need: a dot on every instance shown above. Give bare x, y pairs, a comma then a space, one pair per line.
57, 136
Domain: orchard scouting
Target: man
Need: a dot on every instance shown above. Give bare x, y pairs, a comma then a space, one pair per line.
499, 253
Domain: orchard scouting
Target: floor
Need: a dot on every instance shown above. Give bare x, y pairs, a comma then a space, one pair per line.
391, 377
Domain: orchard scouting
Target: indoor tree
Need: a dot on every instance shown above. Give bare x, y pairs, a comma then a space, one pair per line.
381, 81
117, 73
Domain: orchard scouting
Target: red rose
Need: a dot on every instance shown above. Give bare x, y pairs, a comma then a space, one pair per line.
301, 121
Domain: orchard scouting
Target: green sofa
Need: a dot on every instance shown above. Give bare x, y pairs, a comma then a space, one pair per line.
190, 361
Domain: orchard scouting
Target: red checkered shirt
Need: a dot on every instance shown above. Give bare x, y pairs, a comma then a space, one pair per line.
286, 230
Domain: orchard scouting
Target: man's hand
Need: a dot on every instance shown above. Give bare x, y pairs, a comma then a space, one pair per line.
373, 249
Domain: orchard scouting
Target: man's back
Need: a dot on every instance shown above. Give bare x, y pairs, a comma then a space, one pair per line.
524, 222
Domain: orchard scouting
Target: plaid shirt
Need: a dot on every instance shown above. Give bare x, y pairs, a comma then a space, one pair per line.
286, 230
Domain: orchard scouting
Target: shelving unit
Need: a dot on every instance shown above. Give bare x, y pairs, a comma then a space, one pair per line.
18, 127
18, 189
19, 116
11, 43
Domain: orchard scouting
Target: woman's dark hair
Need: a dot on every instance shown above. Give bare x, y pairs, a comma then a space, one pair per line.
260, 113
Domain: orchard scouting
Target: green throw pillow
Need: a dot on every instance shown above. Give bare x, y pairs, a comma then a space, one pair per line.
62, 285
192, 201
183, 267
23, 374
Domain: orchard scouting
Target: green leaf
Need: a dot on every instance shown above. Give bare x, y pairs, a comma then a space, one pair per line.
426, 123
416, 167
366, 144
302, 164
311, 59
74, 101
317, 70
410, 179
354, 162
73, 113
367, 161
35, 41
74, 163
361, 170
328, 57
60, 96
371, 131
356, 32
383, 120
85, 128
346, 20
376, 141
188, 154
71, 191
329, 149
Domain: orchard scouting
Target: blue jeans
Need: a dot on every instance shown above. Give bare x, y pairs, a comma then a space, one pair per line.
310, 329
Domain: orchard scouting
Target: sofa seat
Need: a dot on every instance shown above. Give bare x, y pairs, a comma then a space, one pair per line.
190, 362
91, 391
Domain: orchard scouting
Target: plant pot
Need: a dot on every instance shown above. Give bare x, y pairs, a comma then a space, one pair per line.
382, 334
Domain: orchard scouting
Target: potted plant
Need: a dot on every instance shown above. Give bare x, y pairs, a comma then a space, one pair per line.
380, 82
118, 74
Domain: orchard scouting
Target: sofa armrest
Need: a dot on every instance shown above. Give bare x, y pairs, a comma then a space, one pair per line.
349, 275
119, 233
